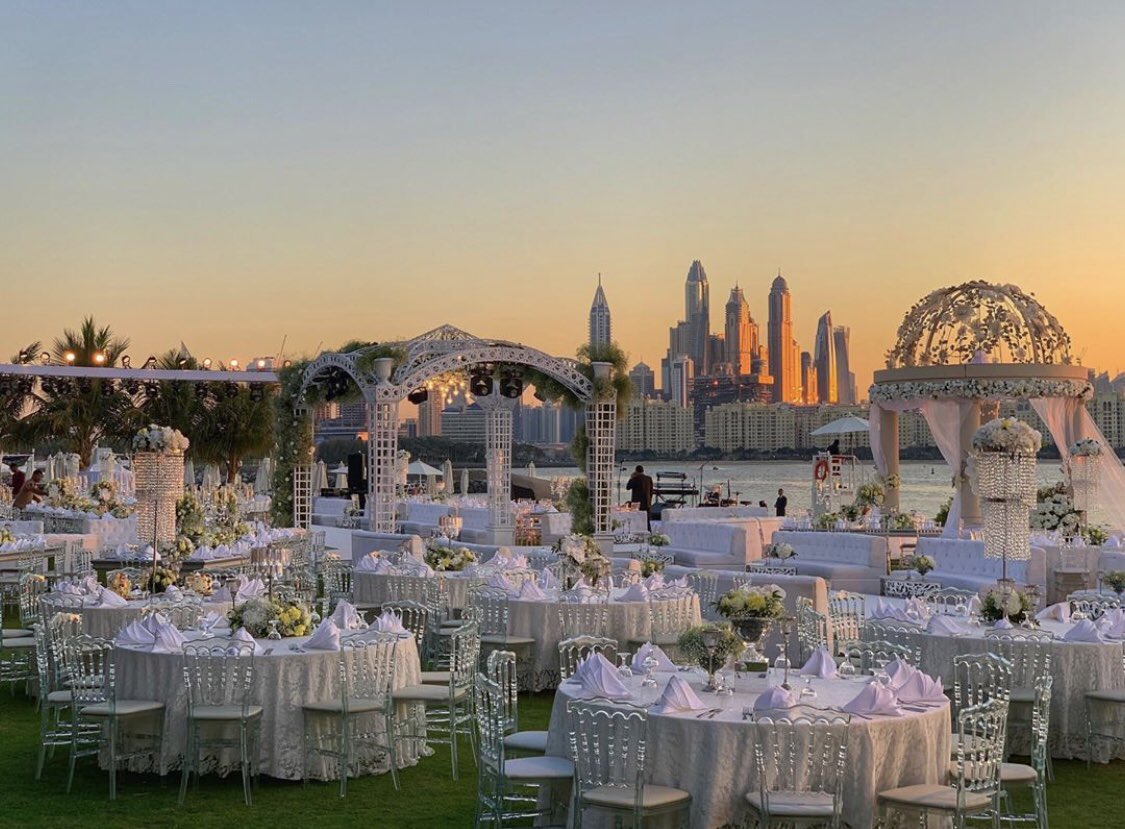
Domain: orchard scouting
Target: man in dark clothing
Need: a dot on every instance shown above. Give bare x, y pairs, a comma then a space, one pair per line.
781, 503
640, 492
834, 447
18, 478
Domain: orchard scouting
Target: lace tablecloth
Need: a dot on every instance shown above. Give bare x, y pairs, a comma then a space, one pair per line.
539, 620
105, 622
284, 680
713, 758
371, 588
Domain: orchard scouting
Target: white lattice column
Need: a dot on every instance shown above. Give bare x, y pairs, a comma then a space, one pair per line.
302, 495
498, 457
382, 449
601, 429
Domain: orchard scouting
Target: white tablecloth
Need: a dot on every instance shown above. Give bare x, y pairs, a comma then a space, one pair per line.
283, 681
714, 758
539, 620
371, 588
105, 622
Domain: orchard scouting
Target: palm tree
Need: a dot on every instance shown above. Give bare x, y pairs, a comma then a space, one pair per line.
16, 394
238, 422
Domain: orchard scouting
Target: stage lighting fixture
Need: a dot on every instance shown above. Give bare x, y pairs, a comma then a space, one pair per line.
511, 386
480, 384
419, 396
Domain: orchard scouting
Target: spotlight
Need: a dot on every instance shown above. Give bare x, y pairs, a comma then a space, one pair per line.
206, 363
24, 357
126, 361
261, 365
99, 359
150, 362
69, 356
287, 364
181, 362
45, 358
511, 386
480, 384
419, 396
234, 365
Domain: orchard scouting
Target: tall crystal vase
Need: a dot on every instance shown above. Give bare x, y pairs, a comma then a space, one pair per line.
1006, 483
159, 480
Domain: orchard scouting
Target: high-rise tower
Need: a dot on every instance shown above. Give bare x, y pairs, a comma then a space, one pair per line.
845, 379
697, 314
783, 355
824, 356
741, 342
600, 333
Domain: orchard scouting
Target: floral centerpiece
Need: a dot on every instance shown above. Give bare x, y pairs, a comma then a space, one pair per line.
120, 584
870, 494
826, 520
752, 609
710, 644
582, 553
898, 521
160, 439
650, 566
258, 615
924, 564
1007, 434
1013, 605
1115, 581
444, 559
1095, 536
160, 578
1055, 511
779, 550
190, 519
659, 540
200, 583
1085, 448
6, 535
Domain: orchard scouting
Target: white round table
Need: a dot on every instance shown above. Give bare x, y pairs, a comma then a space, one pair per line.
105, 622
284, 680
713, 758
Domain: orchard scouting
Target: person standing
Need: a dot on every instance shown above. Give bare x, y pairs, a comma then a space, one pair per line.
781, 503
640, 492
18, 477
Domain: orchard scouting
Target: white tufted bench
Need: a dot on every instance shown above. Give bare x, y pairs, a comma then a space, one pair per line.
960, 562
848, 561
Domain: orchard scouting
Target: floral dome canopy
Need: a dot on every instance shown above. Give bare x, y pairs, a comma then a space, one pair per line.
959, 324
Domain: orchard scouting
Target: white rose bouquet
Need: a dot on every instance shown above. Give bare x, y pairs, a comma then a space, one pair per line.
1085, 448
160, 439
1007, 434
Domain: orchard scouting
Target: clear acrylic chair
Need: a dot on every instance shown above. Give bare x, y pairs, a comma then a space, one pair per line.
182, 615
950, 601
1104, 711
491, 607
415, 617
974, 787
501, 669
1092, 607
32, 586
846, 615
518, 576
337, 577
362, 715
868, 657
980, 677
706, 584
17, 656
55, 698
447, 710
583, 619
219, 680
800, 755
574, 650
1029, 652
667, 619
93, 684
608, 748
1035, 774
501, 782
812, 628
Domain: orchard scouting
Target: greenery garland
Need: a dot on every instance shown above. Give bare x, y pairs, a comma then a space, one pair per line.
294, 435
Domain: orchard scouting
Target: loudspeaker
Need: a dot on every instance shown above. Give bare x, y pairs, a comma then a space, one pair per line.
357, 481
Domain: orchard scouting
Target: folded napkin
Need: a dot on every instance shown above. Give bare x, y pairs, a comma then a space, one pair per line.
654, 581
1058, 612
677, 697
370, 563
682, 581
89, 584
531, 591
68, 589
776, 698
221, 595
820, 664
634, 593
499, 581
326, 637
1084, 631
548, 581
134, 635
1112, 624
974, 604
874, 699
922, 688
166, 638
663, 663
946, 626
1003, 623
881, 609
211, 620
899, 672
387, 622
916, 608
599, 678
107, 598
249, 589
347, 617
242, 636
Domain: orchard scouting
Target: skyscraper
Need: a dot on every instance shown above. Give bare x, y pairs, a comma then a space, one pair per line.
784, 357
682, 371
644, 381
824, 351
697, 314
809, 384
845, 379
741, 333
600, 333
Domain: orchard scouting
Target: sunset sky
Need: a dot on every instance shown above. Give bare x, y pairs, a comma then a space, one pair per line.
231, 173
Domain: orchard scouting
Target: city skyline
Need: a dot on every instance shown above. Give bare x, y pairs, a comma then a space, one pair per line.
216, 176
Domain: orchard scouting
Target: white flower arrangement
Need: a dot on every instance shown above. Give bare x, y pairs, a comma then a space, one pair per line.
1056, 512
1007, 434
160, 439
870, 494
979, 390
780, 550
1085, 448
659, 540
1014, 605
924, 564
449, 559
583, 553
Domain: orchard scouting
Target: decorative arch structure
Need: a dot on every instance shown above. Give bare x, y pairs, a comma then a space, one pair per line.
387, 373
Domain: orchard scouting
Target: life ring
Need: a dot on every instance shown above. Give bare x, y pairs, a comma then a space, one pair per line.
820, 471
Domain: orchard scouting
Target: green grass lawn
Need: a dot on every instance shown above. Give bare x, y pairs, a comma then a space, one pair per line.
1079, 798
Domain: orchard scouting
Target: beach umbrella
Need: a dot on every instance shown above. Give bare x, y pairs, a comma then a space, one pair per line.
211, 476
843, 426
431, 484
51, 472
320, 477
464, 482
420, 469
189, 472
262, 479
447, 475
531, 469
340, 476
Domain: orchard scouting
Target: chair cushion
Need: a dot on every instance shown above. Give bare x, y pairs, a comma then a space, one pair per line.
60, 697
794, 804
224, 712
1023, 695
538, 768
427, 693
621, 797
356, 705
934, 797
17, 644
1107, 695
18, 633
527, 741
435, 677
510, 641
125, 708
1017, 773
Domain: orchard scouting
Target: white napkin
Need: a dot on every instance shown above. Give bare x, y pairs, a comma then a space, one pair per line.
599, 678
682, 581
1003, 623
678, 696
946, 626
346, 617
134, 635
820, 664
899, 672
881, 609
387, 622
68, 589
874, 699
634, 593
1112, 624
89, 585
974, 604
922, 688
211, 620
242, 636
370, 563
663, 663
776, 698
173, 592
1058, 612
1084, 631
326, 637
167, 639
531, 591
656, 580
221, 595
249, 589
548, 581
107, 598
500, 582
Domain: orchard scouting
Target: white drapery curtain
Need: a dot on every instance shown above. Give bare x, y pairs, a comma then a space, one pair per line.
1068, 420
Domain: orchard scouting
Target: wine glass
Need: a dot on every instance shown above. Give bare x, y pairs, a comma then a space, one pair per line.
781, 664
808, 693
623, 669
846, 671
274, 633
881, 675
650, 663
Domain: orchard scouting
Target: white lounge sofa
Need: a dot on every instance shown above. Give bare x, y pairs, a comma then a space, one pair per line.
960, 562
671, 514
847, 561
709, 544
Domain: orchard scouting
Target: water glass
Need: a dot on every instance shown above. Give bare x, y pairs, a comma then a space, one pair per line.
808, 693
846, 671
